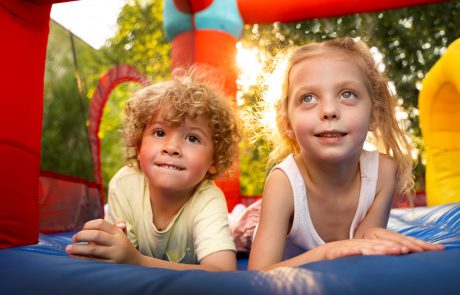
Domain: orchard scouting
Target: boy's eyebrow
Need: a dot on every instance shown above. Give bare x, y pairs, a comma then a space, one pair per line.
192, 128
201, 130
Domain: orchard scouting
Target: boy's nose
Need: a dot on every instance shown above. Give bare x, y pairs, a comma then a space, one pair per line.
171, 147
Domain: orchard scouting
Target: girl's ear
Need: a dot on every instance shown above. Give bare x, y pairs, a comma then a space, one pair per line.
289, 131
374, 120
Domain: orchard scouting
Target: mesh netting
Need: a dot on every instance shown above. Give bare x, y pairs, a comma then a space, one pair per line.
68, 194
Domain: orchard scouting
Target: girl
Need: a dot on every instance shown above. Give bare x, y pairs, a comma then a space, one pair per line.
329, 195
179, 135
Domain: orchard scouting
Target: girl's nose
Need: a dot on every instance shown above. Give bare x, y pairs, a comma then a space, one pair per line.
329, 110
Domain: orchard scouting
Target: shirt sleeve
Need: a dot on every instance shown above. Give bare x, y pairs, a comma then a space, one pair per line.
211, 231
118, 208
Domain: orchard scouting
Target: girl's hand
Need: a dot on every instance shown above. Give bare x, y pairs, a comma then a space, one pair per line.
356, 247
411, 243
105, 242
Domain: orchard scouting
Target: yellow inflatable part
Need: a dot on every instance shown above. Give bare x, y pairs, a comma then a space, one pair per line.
439, 106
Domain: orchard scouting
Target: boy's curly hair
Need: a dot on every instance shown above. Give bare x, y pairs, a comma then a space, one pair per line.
188, 94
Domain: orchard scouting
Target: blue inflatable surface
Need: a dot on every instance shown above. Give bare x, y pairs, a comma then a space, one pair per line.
46, 269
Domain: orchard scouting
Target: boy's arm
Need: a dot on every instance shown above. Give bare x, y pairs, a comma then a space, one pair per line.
119, 208
213, 242
106, 242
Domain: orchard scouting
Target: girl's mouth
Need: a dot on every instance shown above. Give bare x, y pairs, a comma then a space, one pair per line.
331, 134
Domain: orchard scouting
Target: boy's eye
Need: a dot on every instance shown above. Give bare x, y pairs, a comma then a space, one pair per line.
309, 98
158, 133
193, 139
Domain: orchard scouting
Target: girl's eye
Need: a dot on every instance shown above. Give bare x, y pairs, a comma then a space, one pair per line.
193, 139
158, 133
308, 98
348, 95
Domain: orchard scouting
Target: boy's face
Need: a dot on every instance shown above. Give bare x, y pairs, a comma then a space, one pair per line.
176, 158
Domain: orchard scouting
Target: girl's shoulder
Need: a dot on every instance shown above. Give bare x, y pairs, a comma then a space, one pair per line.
387, 172
387, 165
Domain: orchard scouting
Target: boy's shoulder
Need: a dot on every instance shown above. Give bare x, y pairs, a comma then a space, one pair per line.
207, 191
127, 174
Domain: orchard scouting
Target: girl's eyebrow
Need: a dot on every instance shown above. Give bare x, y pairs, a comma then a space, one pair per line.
352, 82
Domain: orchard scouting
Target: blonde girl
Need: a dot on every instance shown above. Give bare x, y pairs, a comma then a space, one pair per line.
327, 195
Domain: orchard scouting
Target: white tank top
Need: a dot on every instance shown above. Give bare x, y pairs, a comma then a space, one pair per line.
303, 234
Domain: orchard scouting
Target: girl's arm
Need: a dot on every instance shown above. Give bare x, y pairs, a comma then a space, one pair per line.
267, 250
269, 244
106, 242
374, 224
379, 212
276, 210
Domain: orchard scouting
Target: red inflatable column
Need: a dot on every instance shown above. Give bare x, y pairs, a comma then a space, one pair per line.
219, 50
206, 32
24, 30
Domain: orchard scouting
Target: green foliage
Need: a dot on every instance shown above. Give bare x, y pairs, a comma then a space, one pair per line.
410, 41
139, 42
65, 147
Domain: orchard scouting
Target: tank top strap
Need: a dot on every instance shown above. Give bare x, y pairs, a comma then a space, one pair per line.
369, 167
302, 232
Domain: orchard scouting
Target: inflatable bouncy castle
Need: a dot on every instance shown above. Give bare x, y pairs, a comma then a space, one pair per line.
200, 31
439, 105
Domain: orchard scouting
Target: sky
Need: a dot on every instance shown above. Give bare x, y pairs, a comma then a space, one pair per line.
94, 21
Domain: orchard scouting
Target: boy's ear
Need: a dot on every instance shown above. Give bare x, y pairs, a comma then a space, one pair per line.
212, 169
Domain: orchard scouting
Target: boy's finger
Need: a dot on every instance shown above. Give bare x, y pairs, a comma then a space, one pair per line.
93, 236
100, 224
121, 225
87, 251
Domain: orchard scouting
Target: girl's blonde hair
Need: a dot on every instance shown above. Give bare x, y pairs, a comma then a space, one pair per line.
188, 94
388, 136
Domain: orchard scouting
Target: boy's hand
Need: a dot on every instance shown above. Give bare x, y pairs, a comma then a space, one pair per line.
411, 243
121, 225
105, 242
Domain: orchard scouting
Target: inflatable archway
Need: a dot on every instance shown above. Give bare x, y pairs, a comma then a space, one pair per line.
439, 106
115, 76
201, 31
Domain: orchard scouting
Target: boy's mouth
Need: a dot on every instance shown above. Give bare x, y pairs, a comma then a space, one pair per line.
169, 166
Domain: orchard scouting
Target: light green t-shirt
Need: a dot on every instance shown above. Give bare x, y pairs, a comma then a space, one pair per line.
198, 229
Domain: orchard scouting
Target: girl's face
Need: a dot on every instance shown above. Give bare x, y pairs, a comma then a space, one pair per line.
329, 107
176, 158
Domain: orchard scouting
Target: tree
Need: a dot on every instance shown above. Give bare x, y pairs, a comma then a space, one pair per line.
410, 41
72, 67
139, 42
